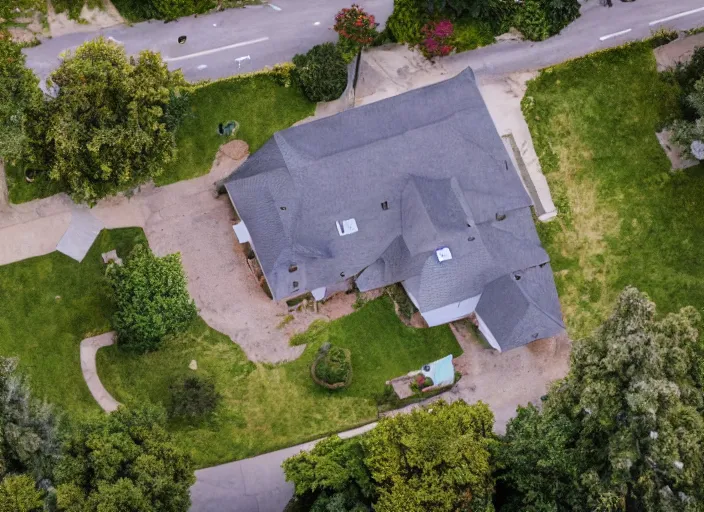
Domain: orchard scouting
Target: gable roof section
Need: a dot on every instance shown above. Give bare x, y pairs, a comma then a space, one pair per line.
521, 307
433, 156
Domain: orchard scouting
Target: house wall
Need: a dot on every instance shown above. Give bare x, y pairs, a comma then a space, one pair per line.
487, 333
449, 313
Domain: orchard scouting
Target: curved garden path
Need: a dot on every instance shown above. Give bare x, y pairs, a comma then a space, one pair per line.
89, 349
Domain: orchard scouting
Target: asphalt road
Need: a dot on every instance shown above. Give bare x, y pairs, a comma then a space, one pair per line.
242, 40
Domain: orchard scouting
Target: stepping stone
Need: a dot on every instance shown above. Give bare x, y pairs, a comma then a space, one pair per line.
111, 256
193, 365
80, 235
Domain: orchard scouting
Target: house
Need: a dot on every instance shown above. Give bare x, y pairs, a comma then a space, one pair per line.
417, 189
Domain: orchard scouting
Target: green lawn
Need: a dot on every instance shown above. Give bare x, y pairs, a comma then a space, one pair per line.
269, 407
50, 303
257, 103
623, 218
47, 306
20, 191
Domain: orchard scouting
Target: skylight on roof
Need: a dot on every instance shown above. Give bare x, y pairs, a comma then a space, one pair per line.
443, 254
346, 227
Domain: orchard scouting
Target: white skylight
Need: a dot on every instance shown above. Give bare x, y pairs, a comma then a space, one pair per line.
347, 227
443, 254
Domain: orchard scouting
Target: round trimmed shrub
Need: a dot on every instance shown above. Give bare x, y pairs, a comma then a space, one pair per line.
193, 396
333, 367
322, 72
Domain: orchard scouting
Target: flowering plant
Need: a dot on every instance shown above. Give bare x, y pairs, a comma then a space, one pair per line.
437, 39
355, 25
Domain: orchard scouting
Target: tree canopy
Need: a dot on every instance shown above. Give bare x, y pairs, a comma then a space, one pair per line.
19, 97
439, 458
624, 430
124, 461
106, 129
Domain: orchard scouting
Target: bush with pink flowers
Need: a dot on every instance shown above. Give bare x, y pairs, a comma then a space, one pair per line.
437, 39
356, 29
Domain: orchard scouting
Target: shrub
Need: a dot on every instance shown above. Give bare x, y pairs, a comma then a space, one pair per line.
406, 21
18, 493
420, 383
322, 72
404, 304
193, 396
437, 39
687, 74
151, 297
560, 13
355, 25
333, 365
532, 22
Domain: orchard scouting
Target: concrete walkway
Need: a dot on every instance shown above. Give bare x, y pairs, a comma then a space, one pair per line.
251, 485
89, 349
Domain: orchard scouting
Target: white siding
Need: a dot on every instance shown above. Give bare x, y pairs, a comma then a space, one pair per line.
451, 312
242, 233
487, 333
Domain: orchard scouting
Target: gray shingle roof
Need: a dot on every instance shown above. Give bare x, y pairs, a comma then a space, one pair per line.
433, 155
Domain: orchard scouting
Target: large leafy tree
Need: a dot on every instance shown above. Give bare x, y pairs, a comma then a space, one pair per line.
124, 461
331, 474
439, 458
624, 430
107, 126
28, 442
20, 96
152, 299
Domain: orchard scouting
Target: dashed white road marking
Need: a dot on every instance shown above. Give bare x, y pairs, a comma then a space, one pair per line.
215, 50
316, 23
275, 7
675, 16
202, 67
615, 34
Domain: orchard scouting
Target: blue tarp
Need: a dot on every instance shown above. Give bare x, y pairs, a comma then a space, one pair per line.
441, 371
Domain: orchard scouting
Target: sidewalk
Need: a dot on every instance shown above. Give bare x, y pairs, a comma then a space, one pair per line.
251, 485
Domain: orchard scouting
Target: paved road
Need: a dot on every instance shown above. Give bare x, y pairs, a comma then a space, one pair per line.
265, 36
215, 41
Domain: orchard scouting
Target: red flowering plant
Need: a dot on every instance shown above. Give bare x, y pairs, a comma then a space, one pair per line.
356, 29
437, 39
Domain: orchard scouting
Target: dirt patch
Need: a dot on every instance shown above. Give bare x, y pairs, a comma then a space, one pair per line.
90, 20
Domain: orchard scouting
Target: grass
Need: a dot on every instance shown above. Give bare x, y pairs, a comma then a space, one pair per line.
73, 7
471, 33
261, 107
269, 407
624, 219
48, 305
20, 191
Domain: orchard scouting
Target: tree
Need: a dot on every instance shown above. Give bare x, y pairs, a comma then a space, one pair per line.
19, 97
152, 299
28, 427
331, 474
685, 133
322, 72
106, 128
193, 396
18, 493
624, 430
124, 461
439, 459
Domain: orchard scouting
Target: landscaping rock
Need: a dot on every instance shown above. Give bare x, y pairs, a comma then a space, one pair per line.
674, 152
111, 256
193, 365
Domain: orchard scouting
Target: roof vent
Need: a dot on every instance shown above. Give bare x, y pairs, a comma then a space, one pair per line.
292, 268
385, 205
517, 277
500, 215
470, 239
443, 254
346, 227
